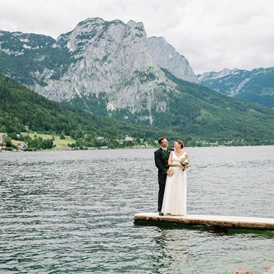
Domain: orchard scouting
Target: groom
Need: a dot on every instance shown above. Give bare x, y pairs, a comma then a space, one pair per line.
161, 161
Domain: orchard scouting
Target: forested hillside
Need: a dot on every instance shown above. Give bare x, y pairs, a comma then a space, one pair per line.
195, 113
198, 110
20, 106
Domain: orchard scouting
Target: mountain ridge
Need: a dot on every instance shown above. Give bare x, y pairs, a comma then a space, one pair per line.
255, 86
102, 59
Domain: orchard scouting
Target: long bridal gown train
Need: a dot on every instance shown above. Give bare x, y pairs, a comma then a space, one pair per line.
174, 202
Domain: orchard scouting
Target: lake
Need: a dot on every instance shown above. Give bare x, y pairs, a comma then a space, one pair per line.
72, 212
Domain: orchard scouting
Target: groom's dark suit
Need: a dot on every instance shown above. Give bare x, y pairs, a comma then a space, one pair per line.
161, 162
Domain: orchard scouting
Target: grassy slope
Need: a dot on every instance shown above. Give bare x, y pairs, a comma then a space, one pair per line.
60, 144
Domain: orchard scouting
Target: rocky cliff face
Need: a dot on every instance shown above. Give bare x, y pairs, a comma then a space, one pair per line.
254, 86
110, 60
97, 59
168, 58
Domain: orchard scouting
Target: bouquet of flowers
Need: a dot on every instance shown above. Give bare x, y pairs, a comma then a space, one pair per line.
184, 163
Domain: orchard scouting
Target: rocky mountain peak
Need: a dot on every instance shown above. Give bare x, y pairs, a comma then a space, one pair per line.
168, 58
110, 59
217, 75
138, 27
255, 86
95, 30
105, 60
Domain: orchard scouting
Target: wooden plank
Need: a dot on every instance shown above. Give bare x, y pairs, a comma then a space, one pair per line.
210, 221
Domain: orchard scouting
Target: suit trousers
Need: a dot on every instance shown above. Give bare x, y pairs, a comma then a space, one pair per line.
162, 184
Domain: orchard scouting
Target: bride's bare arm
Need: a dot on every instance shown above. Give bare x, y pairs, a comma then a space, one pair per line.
171, 163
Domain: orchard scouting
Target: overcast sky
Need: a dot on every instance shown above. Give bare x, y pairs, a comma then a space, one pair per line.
211, 34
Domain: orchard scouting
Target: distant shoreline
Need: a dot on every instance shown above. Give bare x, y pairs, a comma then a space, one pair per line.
125, 148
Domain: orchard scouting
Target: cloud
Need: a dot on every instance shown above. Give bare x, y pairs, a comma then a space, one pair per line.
211, 34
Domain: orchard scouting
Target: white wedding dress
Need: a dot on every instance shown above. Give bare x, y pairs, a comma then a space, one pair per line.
174, 202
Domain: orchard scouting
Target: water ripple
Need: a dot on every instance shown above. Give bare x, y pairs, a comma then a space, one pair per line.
71, 212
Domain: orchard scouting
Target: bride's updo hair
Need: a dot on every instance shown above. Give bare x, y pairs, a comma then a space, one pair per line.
181, 143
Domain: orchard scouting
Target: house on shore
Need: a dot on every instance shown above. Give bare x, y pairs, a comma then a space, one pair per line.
22, 146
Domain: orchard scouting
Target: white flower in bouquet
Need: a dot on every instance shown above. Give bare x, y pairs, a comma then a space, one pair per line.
185, 163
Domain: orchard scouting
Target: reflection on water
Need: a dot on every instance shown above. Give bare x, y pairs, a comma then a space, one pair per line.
217, 231
72, 212
214, 251
173, 251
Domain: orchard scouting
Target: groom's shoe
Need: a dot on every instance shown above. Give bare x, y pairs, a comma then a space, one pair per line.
161, 214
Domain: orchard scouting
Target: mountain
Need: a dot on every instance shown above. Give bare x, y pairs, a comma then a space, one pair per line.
168, 58
254, 86
112, 69
103, 66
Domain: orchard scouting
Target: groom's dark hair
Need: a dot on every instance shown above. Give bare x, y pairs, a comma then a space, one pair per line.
161, 139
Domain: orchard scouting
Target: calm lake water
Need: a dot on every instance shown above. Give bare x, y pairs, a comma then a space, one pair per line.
72, 212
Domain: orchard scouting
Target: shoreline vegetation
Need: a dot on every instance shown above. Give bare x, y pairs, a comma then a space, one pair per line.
33, 141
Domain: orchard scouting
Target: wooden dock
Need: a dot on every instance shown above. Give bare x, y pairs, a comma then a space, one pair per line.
209, 221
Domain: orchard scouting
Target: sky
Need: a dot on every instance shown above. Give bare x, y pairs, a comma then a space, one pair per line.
210, 34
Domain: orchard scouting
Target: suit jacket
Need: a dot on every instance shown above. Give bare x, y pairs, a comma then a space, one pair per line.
161, 160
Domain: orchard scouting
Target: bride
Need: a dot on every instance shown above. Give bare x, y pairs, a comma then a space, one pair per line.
174, 202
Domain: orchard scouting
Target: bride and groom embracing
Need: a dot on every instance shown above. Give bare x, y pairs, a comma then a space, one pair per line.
172, 179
